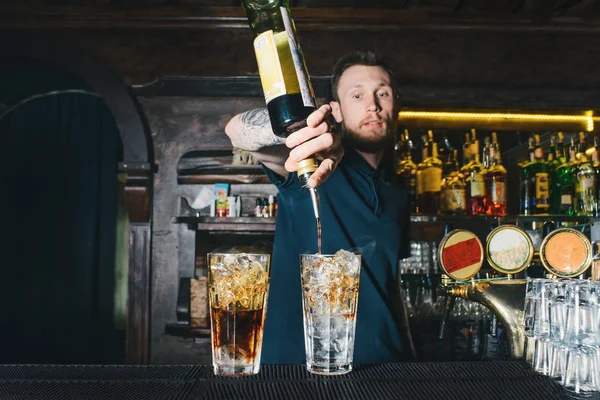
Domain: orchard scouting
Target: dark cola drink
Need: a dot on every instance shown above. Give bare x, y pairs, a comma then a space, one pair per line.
237, 340
238, 287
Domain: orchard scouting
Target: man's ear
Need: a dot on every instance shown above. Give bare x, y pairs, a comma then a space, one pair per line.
335, 111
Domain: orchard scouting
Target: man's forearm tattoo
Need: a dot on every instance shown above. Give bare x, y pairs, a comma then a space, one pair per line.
256, 131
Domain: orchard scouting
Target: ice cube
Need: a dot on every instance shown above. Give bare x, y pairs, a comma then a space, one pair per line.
219, 271
243, 261
348, 262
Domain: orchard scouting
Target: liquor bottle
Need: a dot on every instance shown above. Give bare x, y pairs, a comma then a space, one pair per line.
527, 183
431, 176
595, 151
419, 175
582, 146
486, 161
560, 148
475, 183
495, 182
453, 198
551, 158
541, 182
450, 165
445, 149
466, 155
407, 169
562, 180
585, 186
285, 81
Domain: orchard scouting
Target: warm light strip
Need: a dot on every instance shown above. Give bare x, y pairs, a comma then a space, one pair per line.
587, 119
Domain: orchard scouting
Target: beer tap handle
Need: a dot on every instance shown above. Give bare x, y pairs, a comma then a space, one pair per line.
448, 306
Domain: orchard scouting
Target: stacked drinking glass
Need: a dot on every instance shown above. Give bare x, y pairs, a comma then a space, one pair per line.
562, 331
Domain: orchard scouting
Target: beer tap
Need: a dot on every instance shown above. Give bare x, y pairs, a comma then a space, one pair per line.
509, 250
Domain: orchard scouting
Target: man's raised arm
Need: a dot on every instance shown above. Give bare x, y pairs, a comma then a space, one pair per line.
251, 131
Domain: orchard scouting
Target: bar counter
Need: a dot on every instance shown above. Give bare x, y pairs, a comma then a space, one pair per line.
449, 380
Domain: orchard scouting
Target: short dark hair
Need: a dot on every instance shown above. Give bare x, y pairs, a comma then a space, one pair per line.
368, 58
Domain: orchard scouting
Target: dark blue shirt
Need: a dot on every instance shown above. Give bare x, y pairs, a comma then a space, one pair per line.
360, 211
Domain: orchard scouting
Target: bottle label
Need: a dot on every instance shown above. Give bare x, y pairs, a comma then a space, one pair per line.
566, 199
587, 183
541, 188
454, 199
432, 179
280, 63
498, 192
419, 185
477, 185
583, 183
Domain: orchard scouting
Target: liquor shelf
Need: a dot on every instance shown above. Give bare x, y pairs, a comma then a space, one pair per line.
246, 225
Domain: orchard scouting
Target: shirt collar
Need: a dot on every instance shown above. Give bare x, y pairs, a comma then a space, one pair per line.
354, 159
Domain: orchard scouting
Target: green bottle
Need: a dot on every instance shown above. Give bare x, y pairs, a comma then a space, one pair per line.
562, 181
285, 81
527, 195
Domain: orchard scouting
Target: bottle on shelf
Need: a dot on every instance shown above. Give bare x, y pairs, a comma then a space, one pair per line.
495, 181
551, 158
560, 148
595, 155
466, 155
407, 169
562, 180
425, 151
475, 182
584, 182
445, 149
582, 145
486, 161
527, 183
453, 198
542, 179
535, 182
431, 177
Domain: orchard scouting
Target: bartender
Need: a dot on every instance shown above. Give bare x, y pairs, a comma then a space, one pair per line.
363, 209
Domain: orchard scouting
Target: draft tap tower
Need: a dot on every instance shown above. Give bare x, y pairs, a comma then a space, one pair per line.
508, 250
564, 253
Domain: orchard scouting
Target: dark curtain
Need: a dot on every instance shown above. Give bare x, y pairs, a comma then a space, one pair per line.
58, 200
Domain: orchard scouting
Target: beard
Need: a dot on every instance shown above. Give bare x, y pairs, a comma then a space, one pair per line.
370, 144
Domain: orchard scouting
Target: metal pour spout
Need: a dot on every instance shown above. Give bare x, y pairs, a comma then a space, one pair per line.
314, 196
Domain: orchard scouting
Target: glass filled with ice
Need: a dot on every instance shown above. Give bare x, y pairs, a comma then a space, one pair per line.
329, 299
238, 285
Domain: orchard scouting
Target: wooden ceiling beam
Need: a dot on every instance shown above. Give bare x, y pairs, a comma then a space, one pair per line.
515, 14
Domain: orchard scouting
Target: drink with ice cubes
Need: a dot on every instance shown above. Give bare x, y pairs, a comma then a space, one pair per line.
329, 298
238, 286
